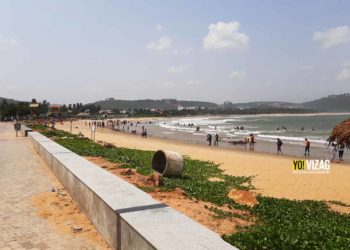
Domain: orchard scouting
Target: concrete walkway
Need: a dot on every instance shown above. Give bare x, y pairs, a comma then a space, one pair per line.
22, 175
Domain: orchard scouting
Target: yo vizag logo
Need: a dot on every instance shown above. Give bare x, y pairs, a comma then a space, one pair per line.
314, 166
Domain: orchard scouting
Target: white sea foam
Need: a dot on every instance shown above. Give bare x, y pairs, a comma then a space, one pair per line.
199, 134
291, 138
263, 126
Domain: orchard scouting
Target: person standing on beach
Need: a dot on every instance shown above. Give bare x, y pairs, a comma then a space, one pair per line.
279, 146
341, 151
333, 152
216, 141
209, 138
307, 147
251, 142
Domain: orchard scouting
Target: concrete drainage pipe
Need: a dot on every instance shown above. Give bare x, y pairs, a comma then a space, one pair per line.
168, 163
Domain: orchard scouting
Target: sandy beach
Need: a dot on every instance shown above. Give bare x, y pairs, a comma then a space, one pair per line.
273, 175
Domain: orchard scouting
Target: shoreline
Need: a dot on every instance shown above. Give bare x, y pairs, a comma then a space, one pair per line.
273, 175
294, 149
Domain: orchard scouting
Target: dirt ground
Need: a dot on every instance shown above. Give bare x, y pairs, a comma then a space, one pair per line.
64, 214
339, 208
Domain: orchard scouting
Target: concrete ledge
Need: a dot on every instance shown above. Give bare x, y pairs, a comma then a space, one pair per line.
25, 130
126, 217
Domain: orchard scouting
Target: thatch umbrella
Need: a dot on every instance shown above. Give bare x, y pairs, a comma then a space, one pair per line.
341, 133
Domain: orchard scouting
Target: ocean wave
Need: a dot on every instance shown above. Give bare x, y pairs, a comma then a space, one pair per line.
291, 138
247, 132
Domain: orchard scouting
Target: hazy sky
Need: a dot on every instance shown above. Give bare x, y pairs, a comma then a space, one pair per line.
83, 51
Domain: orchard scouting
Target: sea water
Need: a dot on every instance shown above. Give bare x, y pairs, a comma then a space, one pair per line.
316, 127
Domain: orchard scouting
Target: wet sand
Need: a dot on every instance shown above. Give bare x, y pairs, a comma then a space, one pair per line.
273, 175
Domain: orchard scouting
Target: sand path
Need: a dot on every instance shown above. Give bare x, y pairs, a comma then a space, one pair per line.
273, 174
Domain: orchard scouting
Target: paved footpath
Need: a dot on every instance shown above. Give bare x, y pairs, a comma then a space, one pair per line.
22, 175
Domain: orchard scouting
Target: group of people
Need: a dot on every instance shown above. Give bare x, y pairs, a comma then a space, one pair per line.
282, 128
336, 148
279, 144
120, 125
249, 142
189, 124
144, 132
216, 139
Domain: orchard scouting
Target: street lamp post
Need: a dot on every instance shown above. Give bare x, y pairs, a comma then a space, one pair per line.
71, 125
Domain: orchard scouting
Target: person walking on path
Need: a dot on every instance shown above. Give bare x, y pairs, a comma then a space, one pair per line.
307, 147
216, 140
279, 146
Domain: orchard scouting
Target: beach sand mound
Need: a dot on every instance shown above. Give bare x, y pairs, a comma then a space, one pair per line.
343, 209
128, 174
243, 197
200, 211
214, 179
64, 215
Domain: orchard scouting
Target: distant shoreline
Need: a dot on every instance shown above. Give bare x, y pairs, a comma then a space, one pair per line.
242, 114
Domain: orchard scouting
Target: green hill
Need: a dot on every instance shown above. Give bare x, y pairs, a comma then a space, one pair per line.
151, 104
331, 103
7, 100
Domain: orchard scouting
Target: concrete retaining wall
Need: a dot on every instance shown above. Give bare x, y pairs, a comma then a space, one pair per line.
25, 130
125, 216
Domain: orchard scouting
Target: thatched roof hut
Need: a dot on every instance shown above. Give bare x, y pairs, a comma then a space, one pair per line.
341, 133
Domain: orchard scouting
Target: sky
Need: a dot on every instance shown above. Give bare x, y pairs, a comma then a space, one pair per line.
239, 51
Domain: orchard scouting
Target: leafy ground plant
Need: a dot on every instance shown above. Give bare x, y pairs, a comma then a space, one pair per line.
290, 224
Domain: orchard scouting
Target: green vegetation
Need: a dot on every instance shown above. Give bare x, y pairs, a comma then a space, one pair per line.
290, 224
9, 107
280, 223
39, 127
194, 180
332, 103
12, 108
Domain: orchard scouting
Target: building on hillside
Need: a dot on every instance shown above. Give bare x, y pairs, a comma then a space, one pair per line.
34, 105
83, 114
105, 111
179, 108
